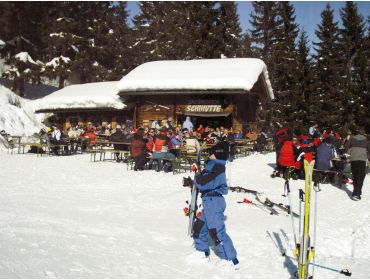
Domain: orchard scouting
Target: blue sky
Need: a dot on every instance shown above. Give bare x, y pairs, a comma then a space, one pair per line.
307, 13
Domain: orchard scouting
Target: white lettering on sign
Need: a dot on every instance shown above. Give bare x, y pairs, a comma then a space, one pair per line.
204, 108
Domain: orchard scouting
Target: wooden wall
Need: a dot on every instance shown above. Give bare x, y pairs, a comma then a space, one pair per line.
242, 107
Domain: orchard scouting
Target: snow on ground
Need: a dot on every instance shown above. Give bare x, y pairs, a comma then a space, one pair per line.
67, 217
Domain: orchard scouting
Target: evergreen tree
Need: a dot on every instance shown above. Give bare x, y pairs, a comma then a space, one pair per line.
367, 78
263, 29
230, 28
284, 66
145, 29
61, 40
329, 91
21, 30
206, 34
120, 40
305, 81
351, 47
246, 46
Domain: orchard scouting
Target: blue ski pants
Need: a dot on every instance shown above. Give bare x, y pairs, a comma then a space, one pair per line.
214, 228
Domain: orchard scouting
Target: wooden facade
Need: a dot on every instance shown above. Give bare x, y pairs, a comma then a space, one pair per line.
69, 117
231, 109
143, 103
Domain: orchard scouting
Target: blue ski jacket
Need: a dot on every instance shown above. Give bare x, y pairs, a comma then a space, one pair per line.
213, 178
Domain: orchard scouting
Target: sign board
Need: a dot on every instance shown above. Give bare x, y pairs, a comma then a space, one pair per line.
204, 108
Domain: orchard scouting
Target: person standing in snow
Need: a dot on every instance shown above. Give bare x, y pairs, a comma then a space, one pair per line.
358, 148
323, 162
212, 185
188, 124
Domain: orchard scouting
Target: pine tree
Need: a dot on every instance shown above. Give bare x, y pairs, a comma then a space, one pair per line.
120, 40
284, 66
263, 29
367, 78
305, 81
145, 23
351, 47
206, 39
60, 40
329, 91
263, 37
230, 28
246, 46
21, 30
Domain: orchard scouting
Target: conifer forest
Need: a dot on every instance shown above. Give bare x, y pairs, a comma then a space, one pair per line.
325, 82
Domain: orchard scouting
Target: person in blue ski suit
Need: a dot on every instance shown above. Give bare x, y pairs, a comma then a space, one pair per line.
212, 185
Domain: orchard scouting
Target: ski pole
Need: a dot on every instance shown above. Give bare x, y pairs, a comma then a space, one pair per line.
290, 206
314, 228
344, 271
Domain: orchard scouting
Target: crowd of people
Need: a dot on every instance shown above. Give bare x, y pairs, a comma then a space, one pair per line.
161, 142
337, 156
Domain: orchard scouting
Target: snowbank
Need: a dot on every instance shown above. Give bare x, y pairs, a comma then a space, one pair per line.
17, 115
203, 74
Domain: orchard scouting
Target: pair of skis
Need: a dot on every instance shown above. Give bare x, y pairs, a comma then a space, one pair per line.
191, 211
305, 251
267, 203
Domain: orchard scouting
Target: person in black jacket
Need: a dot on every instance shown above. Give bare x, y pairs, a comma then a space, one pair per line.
358, 148
118, 137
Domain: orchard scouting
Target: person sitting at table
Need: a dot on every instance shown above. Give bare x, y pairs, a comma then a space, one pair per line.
160, 145
74, 133
118, 137
138, 150
56, 138
191, 144
90, 133
200, 129
176, 143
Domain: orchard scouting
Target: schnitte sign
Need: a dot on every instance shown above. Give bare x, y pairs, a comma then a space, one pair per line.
203, 108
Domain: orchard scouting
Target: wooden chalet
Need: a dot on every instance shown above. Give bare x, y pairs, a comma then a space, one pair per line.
213, 92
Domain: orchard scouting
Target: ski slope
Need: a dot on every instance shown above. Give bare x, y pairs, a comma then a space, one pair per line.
67, 217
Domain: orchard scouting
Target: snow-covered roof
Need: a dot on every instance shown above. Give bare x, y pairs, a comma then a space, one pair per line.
89, 96
203, 74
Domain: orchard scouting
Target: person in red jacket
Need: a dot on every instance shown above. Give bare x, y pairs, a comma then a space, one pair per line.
138, 150
280, 137
288, 156
90, 133
160, 144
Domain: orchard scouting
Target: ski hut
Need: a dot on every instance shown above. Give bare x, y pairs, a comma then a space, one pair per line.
81, 103
231, 92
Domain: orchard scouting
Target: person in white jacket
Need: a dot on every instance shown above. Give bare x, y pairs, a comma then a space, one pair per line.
188, 124
191, 144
